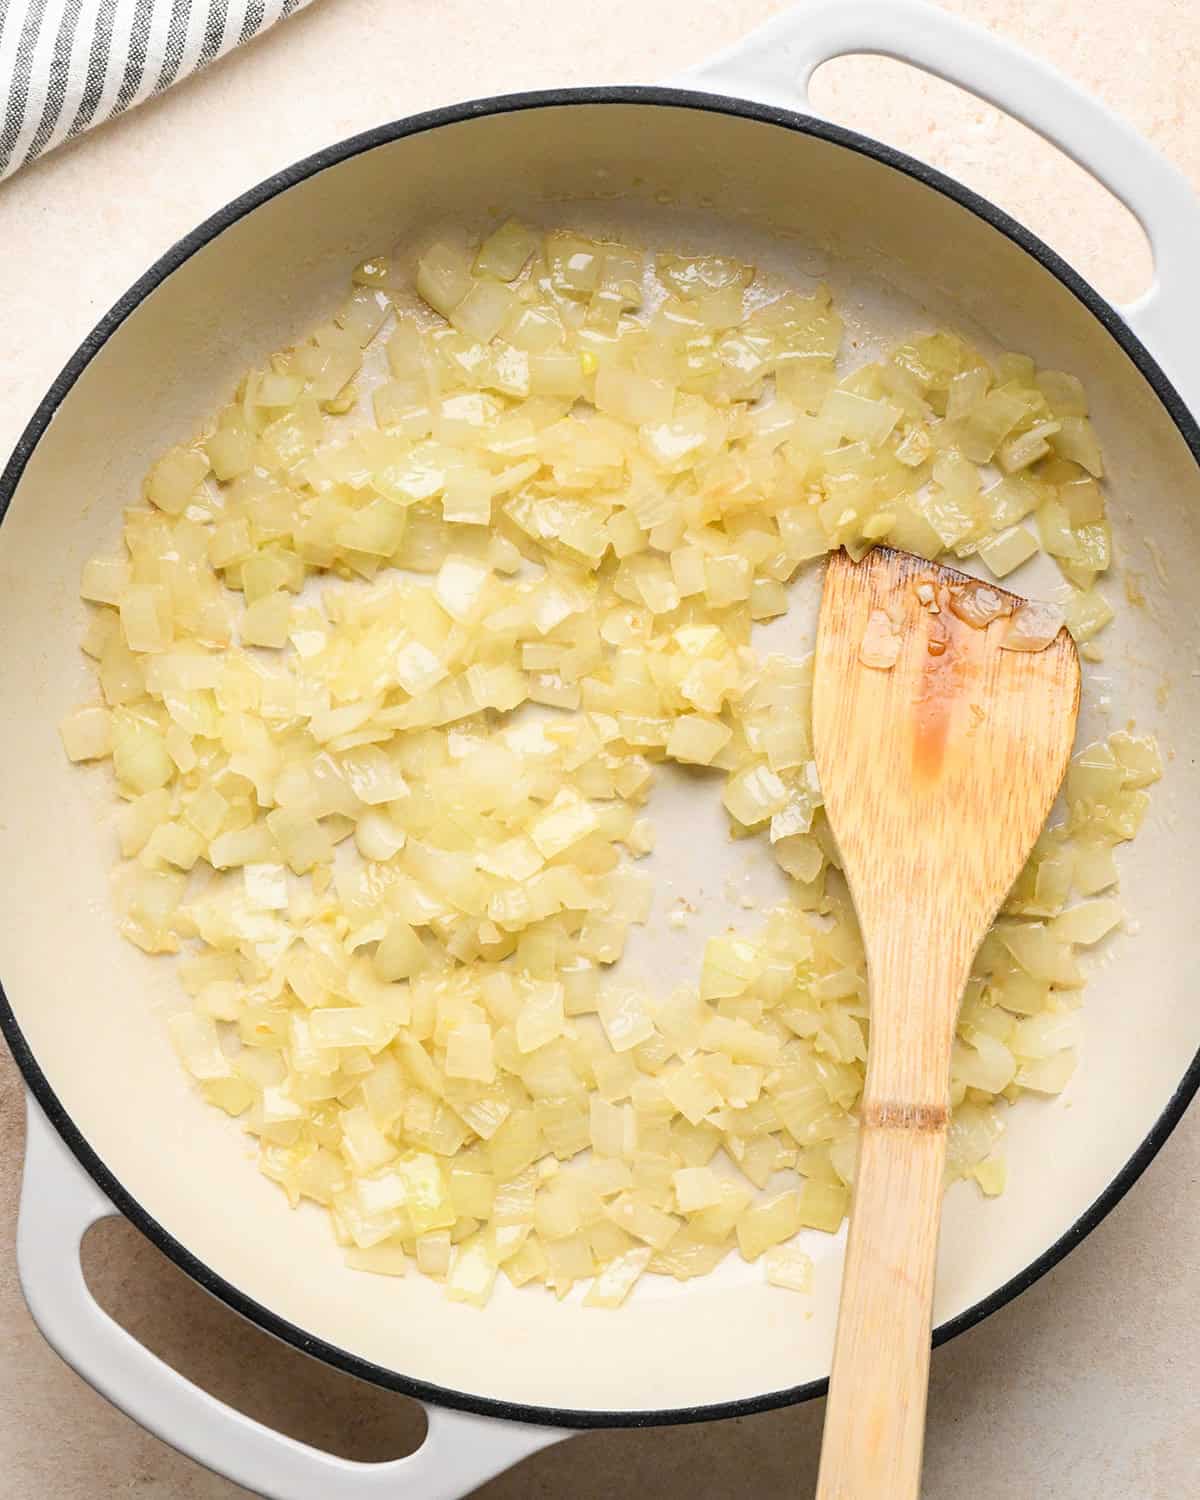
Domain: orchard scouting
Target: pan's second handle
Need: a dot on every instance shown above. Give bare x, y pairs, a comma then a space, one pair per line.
59, 1202
774, 65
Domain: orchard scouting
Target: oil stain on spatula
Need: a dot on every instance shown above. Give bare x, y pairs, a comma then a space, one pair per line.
943, 715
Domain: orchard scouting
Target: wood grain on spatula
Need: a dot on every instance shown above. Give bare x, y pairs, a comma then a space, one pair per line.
938, 773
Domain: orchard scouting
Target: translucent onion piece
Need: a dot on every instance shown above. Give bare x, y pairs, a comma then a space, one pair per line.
1032, 627
979, 605
880, 646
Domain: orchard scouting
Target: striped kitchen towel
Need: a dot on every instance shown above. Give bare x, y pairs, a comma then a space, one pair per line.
68, 64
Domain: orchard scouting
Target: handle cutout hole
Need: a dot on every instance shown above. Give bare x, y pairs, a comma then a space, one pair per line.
998, 157
239, 1364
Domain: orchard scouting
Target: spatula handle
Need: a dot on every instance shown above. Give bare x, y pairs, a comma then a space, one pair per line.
875, 1418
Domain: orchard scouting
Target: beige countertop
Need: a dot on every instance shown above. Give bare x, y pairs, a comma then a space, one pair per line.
1086, 1386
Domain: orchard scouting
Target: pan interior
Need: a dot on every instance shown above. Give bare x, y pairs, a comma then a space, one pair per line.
898, 255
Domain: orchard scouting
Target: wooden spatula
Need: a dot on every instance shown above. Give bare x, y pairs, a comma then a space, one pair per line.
939, 753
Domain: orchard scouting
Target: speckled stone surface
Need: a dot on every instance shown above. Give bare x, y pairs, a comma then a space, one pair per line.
1086, 1386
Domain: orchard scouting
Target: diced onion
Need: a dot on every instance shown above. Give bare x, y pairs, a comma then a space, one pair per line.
506, 251
788, 1266
1088, 922
87, 733
979, 605
880, 646
387, 669
1032, 627
1007, 550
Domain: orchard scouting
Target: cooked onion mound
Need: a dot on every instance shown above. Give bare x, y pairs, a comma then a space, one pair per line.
384, 701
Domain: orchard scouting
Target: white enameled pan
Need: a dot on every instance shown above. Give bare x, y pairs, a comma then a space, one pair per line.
113, 1125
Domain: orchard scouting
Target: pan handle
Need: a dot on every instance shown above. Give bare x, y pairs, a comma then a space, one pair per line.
59, 1203
775, 64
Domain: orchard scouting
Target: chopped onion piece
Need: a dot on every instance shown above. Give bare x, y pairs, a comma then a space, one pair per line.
87, 733
1086, 614
506, 251
788, 1266
880, 646
541, 1017
614, 1283
696, 739
175, 478
695, 1188
629, 397
1076, 439
472, 1273
625, 1019
485, 309
978, 605
1007, 550
1088, 922
199, 1046
769, 1223
443, 277
1032, 627
381, 1260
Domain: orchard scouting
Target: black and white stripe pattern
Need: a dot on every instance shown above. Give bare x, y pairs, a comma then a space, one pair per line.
69, 64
